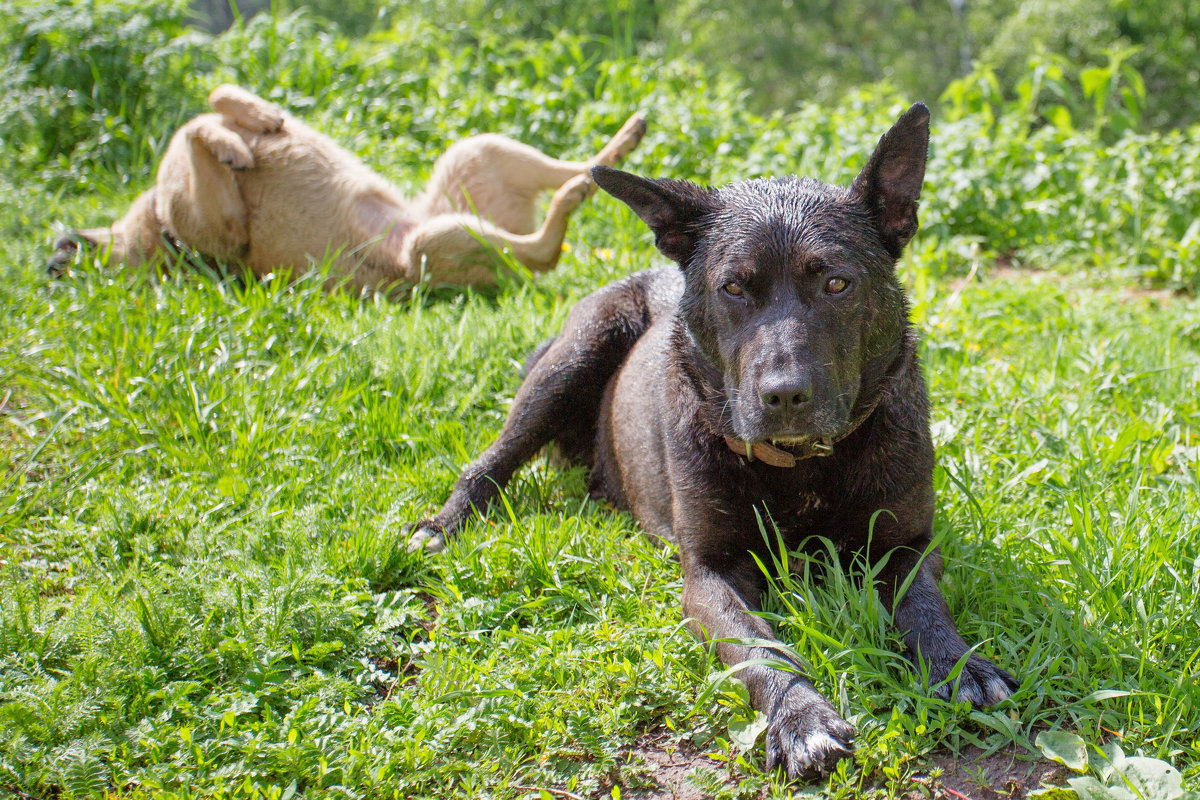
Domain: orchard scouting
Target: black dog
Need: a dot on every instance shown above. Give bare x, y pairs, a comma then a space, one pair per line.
775, 372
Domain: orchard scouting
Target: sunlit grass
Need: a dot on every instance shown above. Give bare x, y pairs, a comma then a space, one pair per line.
203, 583
202, 588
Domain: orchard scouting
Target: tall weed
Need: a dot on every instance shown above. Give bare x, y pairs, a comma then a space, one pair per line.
93, 88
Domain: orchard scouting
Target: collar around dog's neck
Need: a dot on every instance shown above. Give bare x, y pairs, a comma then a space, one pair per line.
764, 452
770, 454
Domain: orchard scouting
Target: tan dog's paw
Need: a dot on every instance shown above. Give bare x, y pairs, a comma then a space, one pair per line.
572, 194
60, 261
621, 145
233, 153
68, 247
246, 109
267, 118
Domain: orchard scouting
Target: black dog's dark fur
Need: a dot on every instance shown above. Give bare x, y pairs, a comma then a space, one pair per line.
785, 324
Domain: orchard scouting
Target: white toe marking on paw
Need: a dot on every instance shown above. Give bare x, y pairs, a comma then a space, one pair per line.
820, 745
969, 693
997, 690
425, 539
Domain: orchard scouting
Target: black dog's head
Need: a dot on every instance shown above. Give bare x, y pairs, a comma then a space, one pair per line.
790, 289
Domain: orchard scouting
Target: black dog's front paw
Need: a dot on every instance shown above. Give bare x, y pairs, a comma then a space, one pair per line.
425, 535
981, 683
806, 737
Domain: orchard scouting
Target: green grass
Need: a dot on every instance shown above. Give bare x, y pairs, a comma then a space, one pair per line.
202, 588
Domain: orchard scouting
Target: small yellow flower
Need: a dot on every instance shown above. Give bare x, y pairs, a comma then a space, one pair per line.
566, 247
604, 254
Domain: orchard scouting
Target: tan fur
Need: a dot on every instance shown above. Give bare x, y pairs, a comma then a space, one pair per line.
252, 184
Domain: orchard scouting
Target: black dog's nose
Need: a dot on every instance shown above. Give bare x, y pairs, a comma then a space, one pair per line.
784, 393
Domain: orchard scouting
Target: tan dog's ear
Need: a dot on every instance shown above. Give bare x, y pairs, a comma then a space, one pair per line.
890, 183
672, 209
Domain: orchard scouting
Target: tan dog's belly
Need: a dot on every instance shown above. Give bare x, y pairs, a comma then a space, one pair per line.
302, 200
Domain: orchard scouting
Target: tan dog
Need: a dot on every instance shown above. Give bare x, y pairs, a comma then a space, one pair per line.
254, 185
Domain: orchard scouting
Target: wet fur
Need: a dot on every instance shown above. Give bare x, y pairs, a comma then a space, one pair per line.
651, 374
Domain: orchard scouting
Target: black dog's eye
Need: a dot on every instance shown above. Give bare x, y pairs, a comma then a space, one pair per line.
732, 289
836, 285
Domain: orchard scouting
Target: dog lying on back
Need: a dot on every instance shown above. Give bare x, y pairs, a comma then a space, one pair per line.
772, 376
251, 184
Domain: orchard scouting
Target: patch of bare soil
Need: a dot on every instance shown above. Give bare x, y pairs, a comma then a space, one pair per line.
1001, 776
664, 769
658, 768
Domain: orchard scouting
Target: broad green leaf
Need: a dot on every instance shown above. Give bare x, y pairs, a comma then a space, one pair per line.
745, 732
1154, 779
1111, 758
1092, 79
1063, 747
1054, 793
1088, 788
1105, 694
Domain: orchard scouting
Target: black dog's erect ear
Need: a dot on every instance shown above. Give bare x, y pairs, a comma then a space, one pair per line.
671, 208
891, 181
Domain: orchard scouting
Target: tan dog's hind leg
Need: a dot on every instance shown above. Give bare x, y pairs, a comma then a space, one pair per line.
493, 177
198, 195
499, 179
246, 109
453, 248
622, 144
